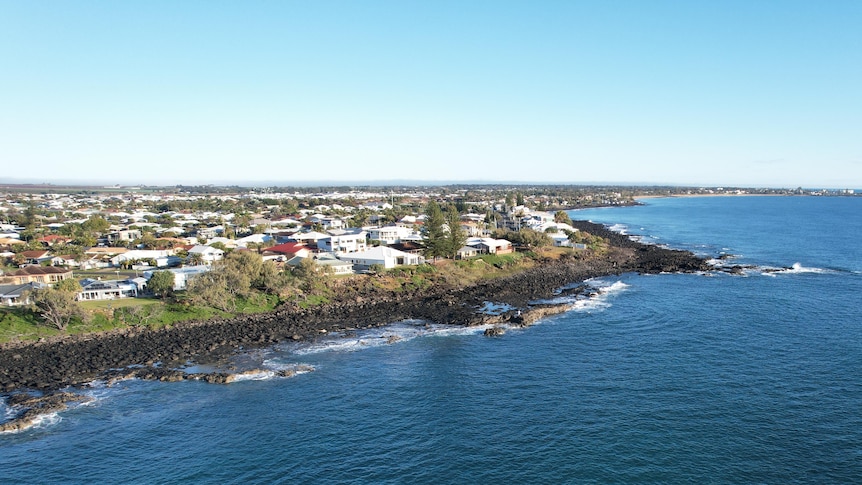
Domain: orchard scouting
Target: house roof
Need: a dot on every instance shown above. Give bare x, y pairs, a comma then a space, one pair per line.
379, 252
33, 254
407, 246
39, 270
309, 236
287, 248
106, 250
52, 238
15, 291
204, 249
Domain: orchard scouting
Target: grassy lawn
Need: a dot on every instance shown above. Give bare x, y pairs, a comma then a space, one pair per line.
20, 324
118, 303
106, 274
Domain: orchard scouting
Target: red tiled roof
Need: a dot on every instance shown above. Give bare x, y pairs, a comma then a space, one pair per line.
287, 248
54, 238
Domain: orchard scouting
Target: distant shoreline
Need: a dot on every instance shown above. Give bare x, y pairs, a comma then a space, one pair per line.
681, 196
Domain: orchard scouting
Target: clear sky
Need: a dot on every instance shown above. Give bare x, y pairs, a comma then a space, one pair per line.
752, 93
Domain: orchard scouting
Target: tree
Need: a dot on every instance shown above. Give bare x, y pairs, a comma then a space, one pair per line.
195, 259
161, 283
525, 237
306, 269
56, 306
69, 285
562, 218
433, 232
510, 201
96, 225
456, 237
211, 289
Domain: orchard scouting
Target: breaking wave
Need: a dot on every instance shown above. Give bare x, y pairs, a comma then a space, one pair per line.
377, 337
595, 298
796, 268
39, 422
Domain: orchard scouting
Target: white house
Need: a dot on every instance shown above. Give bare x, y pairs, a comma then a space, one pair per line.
207, 254
107, 290
328, 222
160, 256
389, 234
254, 238
387, 257
310, 237
182, 276
560, 239
555, 226
124, 235
345, 243
326, 260
490, 245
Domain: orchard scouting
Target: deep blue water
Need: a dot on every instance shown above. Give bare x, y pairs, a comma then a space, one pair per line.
706, 378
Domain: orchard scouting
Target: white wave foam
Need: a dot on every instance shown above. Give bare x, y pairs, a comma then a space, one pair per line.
615, 287
298, 369
46, 420
39, 422
796, 268
491, 308
253, 376
7, 412
393, 334
597, 298
619, 228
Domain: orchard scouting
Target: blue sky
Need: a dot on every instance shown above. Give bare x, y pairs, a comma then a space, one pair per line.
752, 93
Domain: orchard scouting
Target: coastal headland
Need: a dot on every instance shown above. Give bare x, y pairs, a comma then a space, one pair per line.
75, 360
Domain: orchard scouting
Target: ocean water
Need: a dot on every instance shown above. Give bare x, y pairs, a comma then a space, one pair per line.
695, 378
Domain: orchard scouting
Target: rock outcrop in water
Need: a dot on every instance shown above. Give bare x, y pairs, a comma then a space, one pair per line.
75, 360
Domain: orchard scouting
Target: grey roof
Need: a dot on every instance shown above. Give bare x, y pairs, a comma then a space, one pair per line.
14, 291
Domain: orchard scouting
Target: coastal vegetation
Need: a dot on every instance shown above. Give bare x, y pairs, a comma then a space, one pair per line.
243, 283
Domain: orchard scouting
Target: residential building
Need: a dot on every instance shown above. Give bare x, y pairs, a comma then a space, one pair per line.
389, 234
14, 295
345, 243
466, 252
124, 235
35, 257
287, 251
182, 276
207, 254
107, 290
384, 256
160, 256
326, 260
310, 237
490, 245
36, 274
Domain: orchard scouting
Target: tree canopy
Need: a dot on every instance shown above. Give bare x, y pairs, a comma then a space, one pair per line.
433, 231
57, 306
161, 283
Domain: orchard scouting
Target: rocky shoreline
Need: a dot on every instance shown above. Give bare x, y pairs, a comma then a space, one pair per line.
49, 366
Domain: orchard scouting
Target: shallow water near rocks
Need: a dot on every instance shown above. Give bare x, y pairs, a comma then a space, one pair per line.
663, 378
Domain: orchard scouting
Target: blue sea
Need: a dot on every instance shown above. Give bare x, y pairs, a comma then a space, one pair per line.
672, 378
